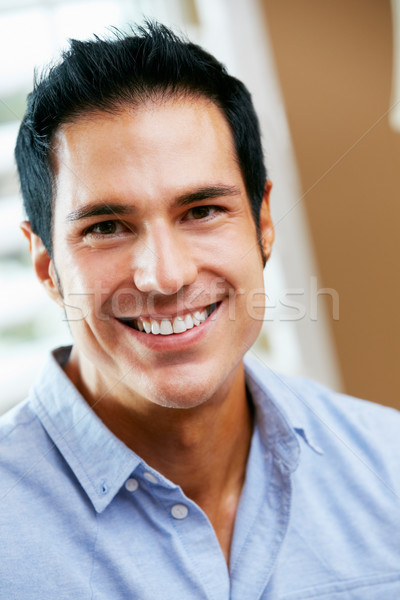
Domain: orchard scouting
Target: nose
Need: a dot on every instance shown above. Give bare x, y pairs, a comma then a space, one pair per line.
163, 262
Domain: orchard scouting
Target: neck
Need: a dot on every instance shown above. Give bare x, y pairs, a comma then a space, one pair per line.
204, 449
208, 443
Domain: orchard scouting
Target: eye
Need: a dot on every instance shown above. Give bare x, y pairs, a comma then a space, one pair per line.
105, 228
202, 212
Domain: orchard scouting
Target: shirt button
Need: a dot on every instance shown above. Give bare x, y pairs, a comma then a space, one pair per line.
179, 511
150, 477
131, 485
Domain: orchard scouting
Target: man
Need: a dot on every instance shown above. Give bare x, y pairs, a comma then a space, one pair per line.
148, 461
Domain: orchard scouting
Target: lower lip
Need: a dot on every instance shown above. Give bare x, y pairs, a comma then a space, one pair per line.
175, 341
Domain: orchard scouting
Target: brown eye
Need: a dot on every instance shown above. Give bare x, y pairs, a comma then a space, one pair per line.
202, 212
107, 233
104, 228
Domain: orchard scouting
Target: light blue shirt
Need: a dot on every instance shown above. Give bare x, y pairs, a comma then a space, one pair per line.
83, 517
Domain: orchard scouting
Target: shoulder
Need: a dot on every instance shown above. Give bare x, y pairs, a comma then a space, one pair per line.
22, 441
30, 463
354, 418
348, 430
15, 425
312, 402
21, 430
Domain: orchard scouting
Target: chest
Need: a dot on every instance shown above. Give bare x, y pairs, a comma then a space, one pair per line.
222, 517
152, 545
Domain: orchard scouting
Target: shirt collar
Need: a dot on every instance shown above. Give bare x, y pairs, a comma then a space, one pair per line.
100, 461
280, 412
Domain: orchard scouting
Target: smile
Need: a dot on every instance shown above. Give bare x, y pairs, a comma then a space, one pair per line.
165, 326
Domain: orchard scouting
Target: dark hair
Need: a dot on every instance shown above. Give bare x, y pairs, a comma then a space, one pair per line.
107, 75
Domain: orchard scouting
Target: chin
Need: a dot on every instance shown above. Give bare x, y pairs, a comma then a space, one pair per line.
189, 387
179, 403
180, 396
177, 391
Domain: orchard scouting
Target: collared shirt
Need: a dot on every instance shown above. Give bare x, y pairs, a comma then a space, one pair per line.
84, 517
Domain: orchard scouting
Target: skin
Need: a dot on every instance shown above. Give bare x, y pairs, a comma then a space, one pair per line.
180, 404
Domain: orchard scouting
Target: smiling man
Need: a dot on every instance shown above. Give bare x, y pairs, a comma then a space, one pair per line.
151, 204
150, 461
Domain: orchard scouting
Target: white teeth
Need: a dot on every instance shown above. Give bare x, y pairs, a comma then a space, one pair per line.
155, 327
188, 321
165, 327
179, 325
197, 317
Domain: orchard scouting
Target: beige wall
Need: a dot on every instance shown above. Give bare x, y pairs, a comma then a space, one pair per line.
334, 62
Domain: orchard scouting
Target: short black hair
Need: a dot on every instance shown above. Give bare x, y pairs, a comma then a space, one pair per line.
108, 74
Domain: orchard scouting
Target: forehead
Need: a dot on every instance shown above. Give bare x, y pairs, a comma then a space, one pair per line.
145, 160
176, 143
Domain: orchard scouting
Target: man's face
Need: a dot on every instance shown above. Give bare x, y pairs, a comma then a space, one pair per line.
153, 229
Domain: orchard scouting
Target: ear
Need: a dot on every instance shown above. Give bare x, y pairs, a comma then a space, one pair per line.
266, 225
42, 263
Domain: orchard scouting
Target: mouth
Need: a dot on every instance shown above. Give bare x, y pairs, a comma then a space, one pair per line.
172, 326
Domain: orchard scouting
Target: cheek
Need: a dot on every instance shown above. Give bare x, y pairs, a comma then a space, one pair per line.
87, 283
255, 306
247, 295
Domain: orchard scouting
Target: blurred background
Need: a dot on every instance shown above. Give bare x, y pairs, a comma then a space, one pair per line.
324, 75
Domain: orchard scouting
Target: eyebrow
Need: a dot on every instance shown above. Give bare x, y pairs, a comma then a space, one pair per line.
100, 208
207, 193
111, 208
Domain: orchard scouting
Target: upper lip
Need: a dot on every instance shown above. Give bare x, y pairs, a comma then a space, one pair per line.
166, 315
